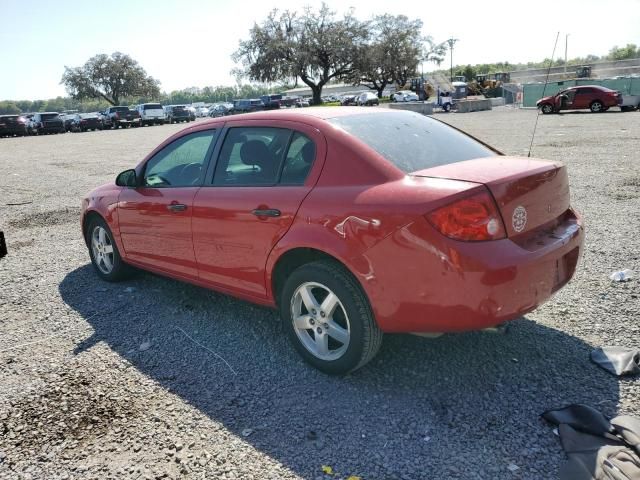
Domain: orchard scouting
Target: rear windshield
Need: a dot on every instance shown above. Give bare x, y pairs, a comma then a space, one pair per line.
179, 107
152, 106
412, 141
88, 115
120, 109
49, 116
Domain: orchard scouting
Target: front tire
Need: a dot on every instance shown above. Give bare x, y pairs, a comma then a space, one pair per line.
546, 108
328, 318
596, 106
104, 253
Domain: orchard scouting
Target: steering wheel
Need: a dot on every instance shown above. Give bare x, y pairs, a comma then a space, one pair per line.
190, 173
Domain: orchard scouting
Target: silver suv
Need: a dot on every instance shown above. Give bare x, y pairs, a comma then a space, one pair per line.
151, 114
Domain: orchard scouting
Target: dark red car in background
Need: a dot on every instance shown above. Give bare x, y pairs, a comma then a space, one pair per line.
352, 222
13, 125
584, 97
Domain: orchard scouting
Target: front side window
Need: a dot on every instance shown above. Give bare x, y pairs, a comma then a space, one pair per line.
251, 156
181, 163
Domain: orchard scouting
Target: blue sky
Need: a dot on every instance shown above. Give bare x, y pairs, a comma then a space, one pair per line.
188, 43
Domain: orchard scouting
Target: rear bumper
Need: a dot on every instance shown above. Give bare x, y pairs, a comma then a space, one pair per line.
417, 280
11, 130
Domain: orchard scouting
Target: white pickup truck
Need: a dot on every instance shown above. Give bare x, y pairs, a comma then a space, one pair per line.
151, 114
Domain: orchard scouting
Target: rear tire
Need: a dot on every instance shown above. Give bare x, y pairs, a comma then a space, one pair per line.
104, 253
335, 330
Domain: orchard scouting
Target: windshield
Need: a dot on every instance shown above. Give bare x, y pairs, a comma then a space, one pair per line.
412, 141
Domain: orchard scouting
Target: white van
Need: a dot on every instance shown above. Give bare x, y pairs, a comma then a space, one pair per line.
151, 114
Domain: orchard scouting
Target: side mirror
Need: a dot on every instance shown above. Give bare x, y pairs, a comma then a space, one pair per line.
127, 179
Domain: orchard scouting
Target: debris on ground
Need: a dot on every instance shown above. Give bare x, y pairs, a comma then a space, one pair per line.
622, 275
617, 360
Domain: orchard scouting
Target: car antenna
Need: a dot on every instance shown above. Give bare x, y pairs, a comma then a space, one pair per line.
544, 89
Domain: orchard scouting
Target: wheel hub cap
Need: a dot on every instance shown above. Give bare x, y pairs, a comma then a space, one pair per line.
102, 248
320, 321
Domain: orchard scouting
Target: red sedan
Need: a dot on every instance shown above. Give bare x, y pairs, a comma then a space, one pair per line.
585, 97
351, 222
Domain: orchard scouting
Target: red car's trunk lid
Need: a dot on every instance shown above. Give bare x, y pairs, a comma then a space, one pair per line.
529, 192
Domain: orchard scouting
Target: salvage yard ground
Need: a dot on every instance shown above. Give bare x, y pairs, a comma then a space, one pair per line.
152, 378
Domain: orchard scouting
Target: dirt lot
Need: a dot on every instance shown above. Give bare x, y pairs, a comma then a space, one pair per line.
156, 379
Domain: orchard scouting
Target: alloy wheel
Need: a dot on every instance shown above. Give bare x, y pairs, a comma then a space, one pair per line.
102, 248
320, 321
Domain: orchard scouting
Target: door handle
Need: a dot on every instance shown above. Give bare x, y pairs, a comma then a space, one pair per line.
177, 207
268, 212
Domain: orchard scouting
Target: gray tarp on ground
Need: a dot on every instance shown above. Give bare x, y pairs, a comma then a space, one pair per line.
617, 360
609, 451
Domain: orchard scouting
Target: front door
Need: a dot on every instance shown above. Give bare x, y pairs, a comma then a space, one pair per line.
155, 218
262, 175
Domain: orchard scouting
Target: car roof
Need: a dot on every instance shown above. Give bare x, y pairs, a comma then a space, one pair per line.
598, 87
306, 115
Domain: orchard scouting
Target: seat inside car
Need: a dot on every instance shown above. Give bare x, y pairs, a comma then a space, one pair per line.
255, 153
296, 170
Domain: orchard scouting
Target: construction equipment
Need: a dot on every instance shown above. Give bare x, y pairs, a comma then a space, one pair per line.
583, 71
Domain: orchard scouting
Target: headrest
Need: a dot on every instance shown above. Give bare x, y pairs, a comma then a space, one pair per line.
308, 152
254, 152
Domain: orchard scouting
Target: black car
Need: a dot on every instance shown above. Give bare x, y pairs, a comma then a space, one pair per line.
119, 116
271, 102
248, 105
82, 122
13, 125
67, 118
46, 122
177, 113
221, 110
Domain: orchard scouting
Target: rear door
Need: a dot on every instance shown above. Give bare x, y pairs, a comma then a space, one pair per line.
264, 170
155, 218
583, 98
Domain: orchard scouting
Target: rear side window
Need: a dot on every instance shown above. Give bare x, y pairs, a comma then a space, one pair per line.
412, 141
297, 164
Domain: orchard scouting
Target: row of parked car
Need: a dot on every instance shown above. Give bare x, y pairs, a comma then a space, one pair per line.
138, 116
111, 118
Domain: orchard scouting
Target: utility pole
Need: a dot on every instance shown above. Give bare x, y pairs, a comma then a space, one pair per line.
452, 41
566, 43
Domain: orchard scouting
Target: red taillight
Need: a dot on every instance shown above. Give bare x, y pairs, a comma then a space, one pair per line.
472, 219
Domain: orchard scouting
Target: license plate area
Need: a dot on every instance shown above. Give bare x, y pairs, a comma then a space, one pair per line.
565, 268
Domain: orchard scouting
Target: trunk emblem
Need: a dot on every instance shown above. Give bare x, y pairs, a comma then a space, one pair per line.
519, 218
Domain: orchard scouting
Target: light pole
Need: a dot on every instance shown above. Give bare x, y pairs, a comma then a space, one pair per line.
452, 41
566, 43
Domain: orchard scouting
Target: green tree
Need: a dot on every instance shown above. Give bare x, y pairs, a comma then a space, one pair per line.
315, 47
9, 108
111, 78
624, 53
395, 46
469, 73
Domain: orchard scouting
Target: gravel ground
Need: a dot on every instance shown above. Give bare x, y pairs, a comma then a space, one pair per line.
152, 378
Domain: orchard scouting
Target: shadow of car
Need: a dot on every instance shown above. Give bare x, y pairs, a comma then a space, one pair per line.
474, 394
